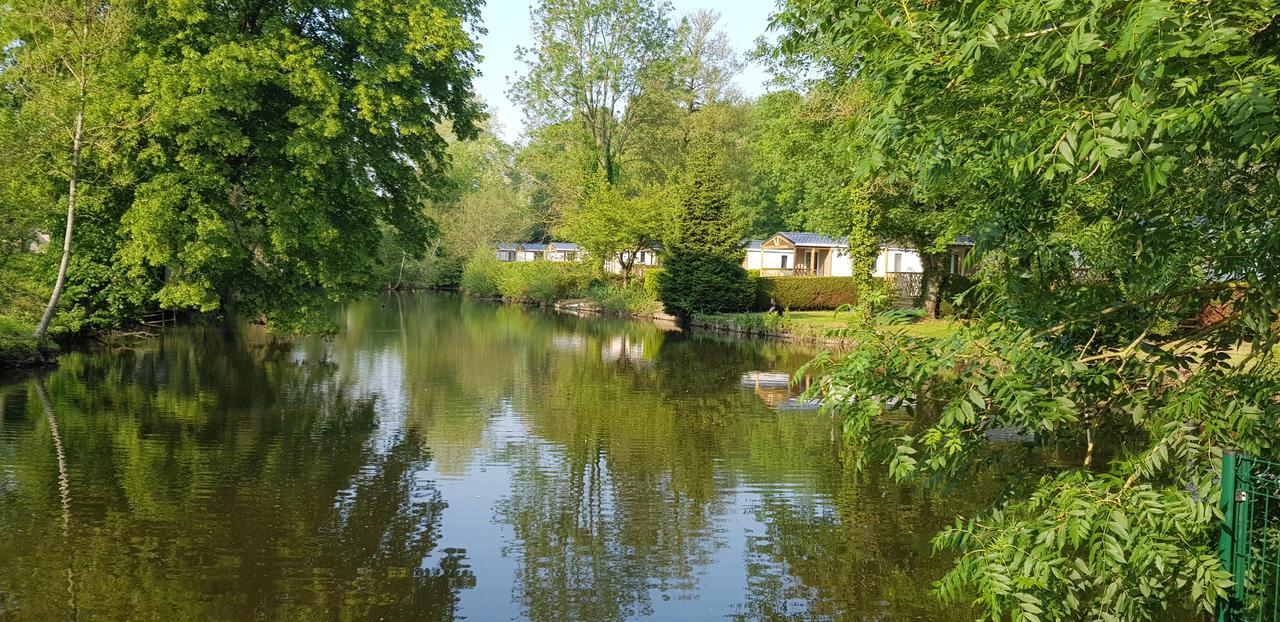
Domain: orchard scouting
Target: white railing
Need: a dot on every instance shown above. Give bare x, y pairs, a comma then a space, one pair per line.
789, 272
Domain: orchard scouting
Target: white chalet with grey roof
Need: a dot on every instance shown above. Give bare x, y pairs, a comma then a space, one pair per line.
537, 251
800, 253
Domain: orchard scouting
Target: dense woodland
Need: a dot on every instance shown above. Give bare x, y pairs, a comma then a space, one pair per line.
213, 176
1116, 162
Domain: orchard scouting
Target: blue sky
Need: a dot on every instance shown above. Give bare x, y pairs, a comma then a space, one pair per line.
508, 25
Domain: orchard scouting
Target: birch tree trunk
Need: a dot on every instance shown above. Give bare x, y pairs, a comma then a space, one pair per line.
77, 142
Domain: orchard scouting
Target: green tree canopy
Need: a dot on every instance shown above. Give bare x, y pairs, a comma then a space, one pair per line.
703, 266
1118, 159
65, 78
592, 61
612, 222
280, 140
259, 150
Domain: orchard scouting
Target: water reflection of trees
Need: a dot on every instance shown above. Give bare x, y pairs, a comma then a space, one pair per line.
217, 478
217, 466
640, 438
625, 499
858, 550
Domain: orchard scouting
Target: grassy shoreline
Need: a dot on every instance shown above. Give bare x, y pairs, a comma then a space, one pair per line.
22, 351
806, 327
814, 327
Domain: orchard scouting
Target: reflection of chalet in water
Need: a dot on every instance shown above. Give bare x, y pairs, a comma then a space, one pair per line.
568, 342
775, 389
622, 347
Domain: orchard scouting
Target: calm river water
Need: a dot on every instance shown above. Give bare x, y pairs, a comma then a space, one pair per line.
442, 459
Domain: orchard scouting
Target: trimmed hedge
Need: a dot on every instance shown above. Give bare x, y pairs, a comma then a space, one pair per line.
956, 285
651, 278
806, 293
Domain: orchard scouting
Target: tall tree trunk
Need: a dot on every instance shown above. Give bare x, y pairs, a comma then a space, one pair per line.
77, 143
400, 275
626, 266
932, 283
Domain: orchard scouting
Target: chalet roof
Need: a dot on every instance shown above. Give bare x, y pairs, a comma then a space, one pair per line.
804, 238
507, 247
564, 246
536, 247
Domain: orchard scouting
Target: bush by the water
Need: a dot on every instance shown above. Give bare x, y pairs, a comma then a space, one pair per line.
542, 282
802, 293
693, 283
750, 323
702, 272
614, 298
24, 351
480, 275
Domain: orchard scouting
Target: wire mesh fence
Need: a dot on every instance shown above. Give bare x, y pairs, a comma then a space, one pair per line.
1249, 543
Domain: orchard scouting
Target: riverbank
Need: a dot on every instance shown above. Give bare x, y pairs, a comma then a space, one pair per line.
17, 352
819, 328
22, 302
822, 328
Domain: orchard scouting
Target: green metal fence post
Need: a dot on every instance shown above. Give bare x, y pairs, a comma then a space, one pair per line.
1227, 535
1244, 538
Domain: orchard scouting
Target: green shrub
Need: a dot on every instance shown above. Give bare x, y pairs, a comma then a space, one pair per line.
770, 324
444, 271
614, 298
529, 282
542, 282
480, 275
694, 283
804, 293
25, 351
652, 277
14, 327
956, 285
703, 262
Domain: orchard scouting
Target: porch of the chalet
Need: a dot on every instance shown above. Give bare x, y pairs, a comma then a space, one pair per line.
809, 261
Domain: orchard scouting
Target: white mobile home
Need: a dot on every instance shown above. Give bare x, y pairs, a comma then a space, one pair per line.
795, 253
563, 251
537, 251
645, 259
507, 252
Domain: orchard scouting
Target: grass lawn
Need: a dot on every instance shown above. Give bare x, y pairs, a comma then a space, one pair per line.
812, 322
